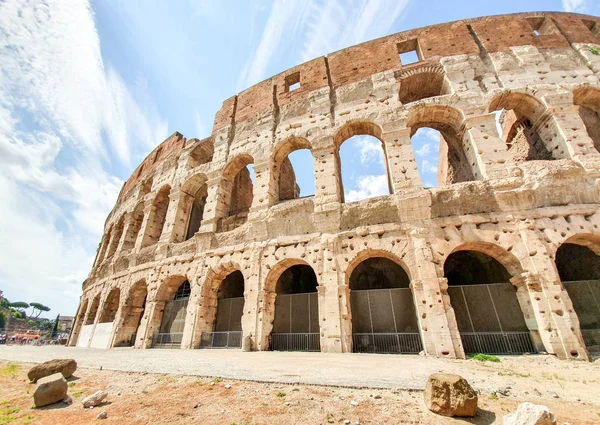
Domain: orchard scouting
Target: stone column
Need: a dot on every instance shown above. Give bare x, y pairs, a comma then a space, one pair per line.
171, 229
334, 323
483, 147
77, 324
556, 319
150, 323
328, 186
214, 209
126, 234
265, 316
437, 322
139, 243
401, 165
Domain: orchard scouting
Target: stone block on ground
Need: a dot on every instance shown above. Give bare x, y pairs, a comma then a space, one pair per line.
530, 414
66, 367
51, 389
94, 399
450, 395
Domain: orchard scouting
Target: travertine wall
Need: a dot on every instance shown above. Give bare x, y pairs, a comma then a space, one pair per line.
540, 68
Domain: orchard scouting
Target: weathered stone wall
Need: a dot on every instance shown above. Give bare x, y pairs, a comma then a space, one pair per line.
516, 209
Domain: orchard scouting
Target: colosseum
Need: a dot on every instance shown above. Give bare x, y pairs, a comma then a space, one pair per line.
501, 257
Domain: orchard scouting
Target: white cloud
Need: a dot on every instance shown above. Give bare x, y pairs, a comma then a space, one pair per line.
575, 5
326, 26
368, 186
428, 167
426, 149
64, 118
370, 149
200, 128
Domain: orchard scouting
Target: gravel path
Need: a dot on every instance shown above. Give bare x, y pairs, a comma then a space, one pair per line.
528, 374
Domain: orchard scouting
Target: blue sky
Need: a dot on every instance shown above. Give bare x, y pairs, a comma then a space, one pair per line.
88, 89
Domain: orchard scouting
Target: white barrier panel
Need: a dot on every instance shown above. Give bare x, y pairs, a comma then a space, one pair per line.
101, 337
84, 335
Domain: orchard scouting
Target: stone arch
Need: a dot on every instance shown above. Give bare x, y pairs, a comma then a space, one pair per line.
520, 118
382, 309
104, 245
171, 302
136, 219
490, 300
116, 238
201, 154
235, 193
93, 311
283, 184
223, 309
191, 204
358, 128
110, 306
83, 306
291, 307
454, 166
422, 83
157, 217
588, 100
577, 262
133, 309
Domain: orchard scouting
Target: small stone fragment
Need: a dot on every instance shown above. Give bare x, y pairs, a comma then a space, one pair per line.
102, 415
94, 399
354, 403
68, 400
530, 414
450, 395
377, 396
553, 394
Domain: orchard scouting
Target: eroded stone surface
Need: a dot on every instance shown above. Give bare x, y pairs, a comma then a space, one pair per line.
450, 395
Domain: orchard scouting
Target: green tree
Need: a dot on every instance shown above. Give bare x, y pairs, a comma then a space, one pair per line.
20, 306
55, 327
39, 307
4, 303
2, 319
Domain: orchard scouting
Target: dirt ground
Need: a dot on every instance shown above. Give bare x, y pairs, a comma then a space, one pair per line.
142, 398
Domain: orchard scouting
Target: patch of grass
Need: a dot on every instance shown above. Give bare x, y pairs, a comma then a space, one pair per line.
27, 420
485, 358
280, 394
513, 373
7, 415
296, 389
594, 50
10, 370
199, 382
493, 397
72, 384
552, 376
77, 393
217, 380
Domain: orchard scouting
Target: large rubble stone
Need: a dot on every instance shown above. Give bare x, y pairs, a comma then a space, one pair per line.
64, 366
94, 399
450, 395
530, 414
51, 389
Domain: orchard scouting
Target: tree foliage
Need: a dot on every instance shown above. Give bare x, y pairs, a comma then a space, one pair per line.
39, 308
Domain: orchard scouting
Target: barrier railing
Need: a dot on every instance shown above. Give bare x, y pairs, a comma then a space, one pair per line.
167, 340
295, 342
497, 342
228, 339
392, 343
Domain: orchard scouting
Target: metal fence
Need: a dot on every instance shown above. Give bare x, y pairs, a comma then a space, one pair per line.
391, 343
497, 342
585, 295
167, 340
229, 339
295, 342
591, 337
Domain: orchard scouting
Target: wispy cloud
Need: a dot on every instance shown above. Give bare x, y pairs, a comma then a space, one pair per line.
368, 186
322, 26
370, 149
575, 5
66, 120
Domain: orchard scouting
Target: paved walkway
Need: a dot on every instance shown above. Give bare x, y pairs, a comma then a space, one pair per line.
346, 370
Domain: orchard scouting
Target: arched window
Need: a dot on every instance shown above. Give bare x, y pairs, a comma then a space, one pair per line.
489, 315
579, 270
293, 170
193, 200
422, 83
384, 318
116, 238
175, 293
158, 214
91, 317
111, 305
518, 115
588, 100
426, 145
296, 322
133, 311
453, 165
201, 154
236, 193
135, 224
363, 168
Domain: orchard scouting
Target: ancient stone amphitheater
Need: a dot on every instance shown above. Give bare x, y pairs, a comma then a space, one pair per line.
501, 257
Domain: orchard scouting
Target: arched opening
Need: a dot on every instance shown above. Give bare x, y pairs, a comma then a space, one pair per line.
158, 214
133, 311
588, 100
579, 270
193, 200
422, 83
362, 162
104, 246
114, 242
384, 318
79, 322
444, 123
175, 294
519, 114
135, 224
236, 193
201, 154
293, 170
488, 312
111, 305
296, 321
91, 317
426, 144
227, 327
